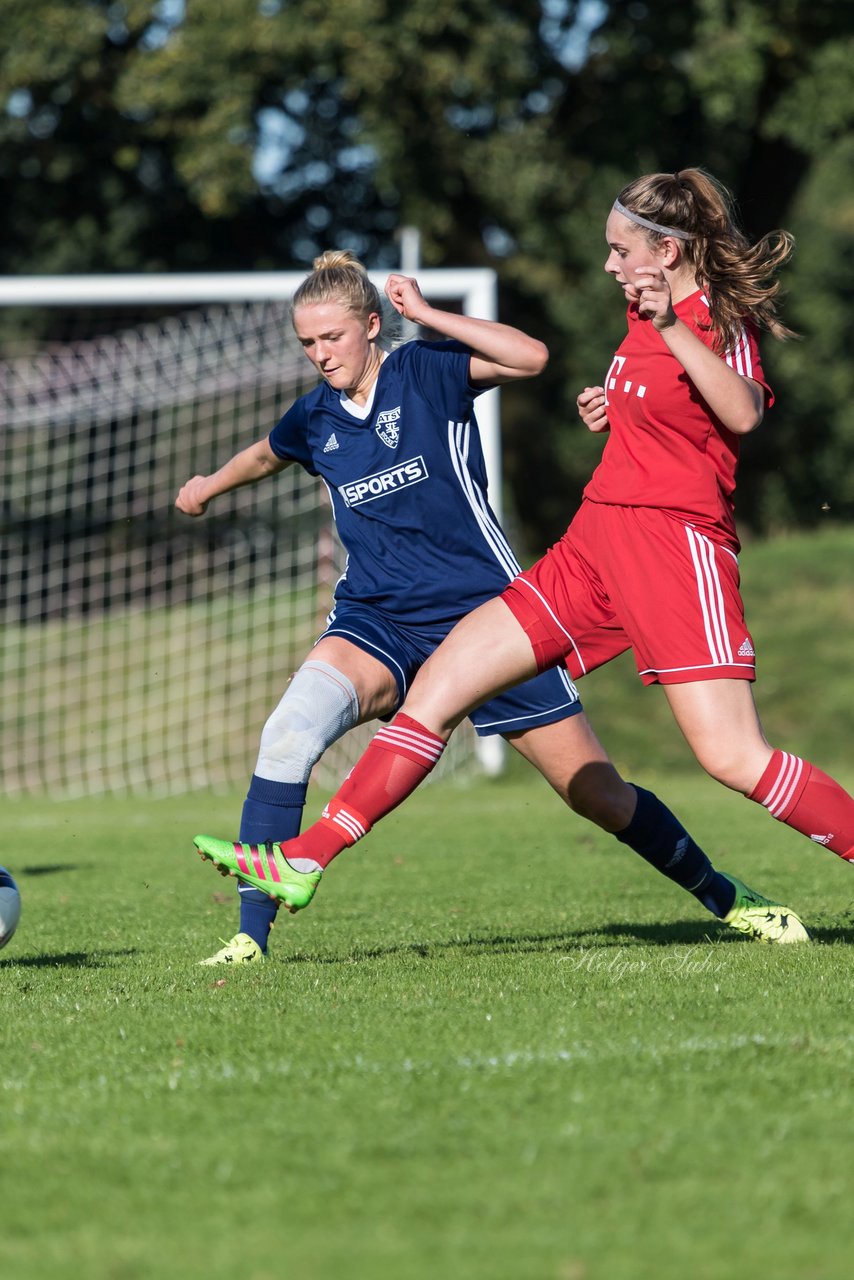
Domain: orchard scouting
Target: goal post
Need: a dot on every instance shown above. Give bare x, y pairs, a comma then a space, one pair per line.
475, 288
140, 651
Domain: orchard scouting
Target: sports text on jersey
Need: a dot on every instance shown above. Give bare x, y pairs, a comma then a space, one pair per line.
357, 492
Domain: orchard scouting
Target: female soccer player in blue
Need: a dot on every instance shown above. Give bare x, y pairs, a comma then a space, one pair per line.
392, 433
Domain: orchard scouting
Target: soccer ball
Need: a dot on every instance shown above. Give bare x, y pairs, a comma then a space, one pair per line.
10, 907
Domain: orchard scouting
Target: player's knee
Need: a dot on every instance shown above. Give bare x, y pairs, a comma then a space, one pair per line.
432, 712
319, 705
734, 768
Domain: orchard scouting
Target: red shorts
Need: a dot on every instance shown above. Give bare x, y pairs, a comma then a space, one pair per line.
639, 578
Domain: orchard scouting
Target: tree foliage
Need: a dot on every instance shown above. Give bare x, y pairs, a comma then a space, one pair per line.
253, 133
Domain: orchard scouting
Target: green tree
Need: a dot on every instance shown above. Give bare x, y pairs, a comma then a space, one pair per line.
129, 138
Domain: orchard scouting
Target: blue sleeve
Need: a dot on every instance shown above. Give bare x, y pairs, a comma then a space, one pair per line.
440, 370
288, 437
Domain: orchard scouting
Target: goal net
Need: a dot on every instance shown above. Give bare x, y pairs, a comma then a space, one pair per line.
142, 651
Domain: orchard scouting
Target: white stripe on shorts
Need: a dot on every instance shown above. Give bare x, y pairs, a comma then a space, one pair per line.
522, 581
710, 597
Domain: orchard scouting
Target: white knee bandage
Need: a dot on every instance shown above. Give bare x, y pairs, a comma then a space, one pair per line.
319, 705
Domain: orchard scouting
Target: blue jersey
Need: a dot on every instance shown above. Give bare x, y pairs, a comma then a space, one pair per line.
407, 481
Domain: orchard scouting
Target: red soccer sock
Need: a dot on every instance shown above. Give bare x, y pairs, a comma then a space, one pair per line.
797, 793
398, 758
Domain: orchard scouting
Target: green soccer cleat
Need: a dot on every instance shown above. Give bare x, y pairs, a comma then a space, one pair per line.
762, 919
264, 866
241, 950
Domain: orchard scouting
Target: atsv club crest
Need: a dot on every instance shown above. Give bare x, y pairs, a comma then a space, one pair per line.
388, 427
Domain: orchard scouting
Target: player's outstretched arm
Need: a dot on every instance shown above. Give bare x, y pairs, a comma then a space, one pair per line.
246, 467
500, 353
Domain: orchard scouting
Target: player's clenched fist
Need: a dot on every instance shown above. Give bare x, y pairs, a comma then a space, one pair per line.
405, 296
190, 498
592, 408
652, 294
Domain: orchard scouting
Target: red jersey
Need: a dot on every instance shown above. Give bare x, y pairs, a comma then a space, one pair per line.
665, 447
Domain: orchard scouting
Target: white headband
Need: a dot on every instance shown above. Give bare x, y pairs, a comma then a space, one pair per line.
651, 226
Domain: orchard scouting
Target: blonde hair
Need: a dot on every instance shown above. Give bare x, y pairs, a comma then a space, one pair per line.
737, 277
338, 276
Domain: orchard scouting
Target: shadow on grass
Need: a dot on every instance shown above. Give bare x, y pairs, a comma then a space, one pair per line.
693, 933
55, 868
67, 959
839, 933
625, 934
688, 933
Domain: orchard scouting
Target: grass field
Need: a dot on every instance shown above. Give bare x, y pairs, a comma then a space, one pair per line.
496, 1047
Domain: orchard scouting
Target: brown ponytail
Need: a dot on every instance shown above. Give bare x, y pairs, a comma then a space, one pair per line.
737, 277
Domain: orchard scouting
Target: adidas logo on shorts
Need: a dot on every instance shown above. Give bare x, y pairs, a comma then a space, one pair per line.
747, 650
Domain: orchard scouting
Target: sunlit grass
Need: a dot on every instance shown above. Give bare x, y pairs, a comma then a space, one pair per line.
497, 1045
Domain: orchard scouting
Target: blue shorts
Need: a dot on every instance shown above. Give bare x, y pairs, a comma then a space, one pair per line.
545, 699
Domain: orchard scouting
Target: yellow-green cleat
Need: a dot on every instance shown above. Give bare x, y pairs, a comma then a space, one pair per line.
264, 866
762, 919
241, 950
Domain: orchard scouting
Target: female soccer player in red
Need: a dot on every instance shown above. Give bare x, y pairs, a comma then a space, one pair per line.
648, 562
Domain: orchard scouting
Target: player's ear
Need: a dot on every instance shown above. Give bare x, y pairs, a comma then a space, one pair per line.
374, 325
670, 250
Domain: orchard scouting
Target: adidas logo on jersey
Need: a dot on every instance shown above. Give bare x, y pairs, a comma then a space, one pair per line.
331, 444
747, 650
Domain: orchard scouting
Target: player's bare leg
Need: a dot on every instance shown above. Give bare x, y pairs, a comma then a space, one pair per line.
574, 762
721, 724
485, 653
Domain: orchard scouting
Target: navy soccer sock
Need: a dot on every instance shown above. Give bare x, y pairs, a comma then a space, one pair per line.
659, 837
271, 811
